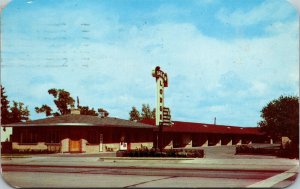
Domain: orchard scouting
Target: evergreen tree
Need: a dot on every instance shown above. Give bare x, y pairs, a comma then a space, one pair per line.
18, 112
14, 114
153, 113
146, 112
134, 114
5, 115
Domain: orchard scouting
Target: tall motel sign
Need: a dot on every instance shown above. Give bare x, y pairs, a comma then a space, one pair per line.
162, 113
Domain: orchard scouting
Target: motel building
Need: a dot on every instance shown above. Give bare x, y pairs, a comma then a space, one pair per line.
75, 133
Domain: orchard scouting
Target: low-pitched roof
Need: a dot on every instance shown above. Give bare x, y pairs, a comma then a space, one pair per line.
177, 126
190, 127
81, 120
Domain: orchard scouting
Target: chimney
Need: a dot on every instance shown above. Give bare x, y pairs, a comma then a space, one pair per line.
75, 111
102, 114
215, 121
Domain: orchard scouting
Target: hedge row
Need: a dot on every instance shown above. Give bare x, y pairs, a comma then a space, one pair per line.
288, 152
291, 150
145, 152
247, 149
30, 151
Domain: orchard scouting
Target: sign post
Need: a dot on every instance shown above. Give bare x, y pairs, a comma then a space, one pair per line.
162, 113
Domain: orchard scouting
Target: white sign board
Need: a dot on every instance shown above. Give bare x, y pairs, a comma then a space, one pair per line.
161, 83
123, 146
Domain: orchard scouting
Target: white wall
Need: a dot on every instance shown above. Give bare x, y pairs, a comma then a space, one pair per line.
5, 134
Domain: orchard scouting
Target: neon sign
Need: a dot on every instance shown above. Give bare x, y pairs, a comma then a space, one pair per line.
162, 114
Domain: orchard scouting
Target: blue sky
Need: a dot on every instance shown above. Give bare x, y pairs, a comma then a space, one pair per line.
224, 59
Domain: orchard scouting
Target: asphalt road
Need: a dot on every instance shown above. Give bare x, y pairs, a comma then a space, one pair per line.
220, 168
108, 176
178, 172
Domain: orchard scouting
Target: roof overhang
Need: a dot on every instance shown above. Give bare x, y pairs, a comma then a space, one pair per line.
75, 125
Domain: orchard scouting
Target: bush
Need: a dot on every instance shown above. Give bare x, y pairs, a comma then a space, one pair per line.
290, 150
145, 152
248, 149
32, 151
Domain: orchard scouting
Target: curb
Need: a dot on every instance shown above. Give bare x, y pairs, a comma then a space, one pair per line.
145, 167
10, 157
143, 158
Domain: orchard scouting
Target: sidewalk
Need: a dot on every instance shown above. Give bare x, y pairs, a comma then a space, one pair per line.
216, 158
278, 164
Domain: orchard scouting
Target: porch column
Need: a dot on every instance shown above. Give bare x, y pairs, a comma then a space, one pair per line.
190, 144
64, 145
83, 145
205, 144
187, 140
170, 145
229, 143
239, 142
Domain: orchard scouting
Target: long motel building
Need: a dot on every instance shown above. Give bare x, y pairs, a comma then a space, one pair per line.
75, 133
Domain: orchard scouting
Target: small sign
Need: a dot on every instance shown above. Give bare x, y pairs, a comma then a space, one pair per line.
123, 145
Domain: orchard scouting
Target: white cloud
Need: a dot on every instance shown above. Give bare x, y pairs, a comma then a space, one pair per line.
217, 108
284, 28
117, 73
168, 11
267, 11
259, 87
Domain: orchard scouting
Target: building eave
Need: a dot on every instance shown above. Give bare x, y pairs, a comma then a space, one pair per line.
74, 125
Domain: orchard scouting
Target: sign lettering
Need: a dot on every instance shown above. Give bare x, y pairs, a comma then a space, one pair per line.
162, 114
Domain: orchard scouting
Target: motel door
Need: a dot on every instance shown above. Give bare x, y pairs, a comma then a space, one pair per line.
75, 145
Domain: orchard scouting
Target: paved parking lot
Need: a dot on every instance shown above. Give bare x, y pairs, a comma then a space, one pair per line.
219, 168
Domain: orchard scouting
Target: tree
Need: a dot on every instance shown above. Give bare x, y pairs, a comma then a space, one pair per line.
45, 108
4, 107
14, 114
281, 118
134, 114
63, 101
18, 112
146, 112
153, 113
85, 110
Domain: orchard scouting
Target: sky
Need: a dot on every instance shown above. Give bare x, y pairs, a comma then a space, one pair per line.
224, 59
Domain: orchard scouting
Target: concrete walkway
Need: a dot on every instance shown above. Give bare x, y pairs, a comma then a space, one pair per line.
216, 158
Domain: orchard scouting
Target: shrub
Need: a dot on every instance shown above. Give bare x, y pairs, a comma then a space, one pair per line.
290, 150
32, 151
248, 149
145, 152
